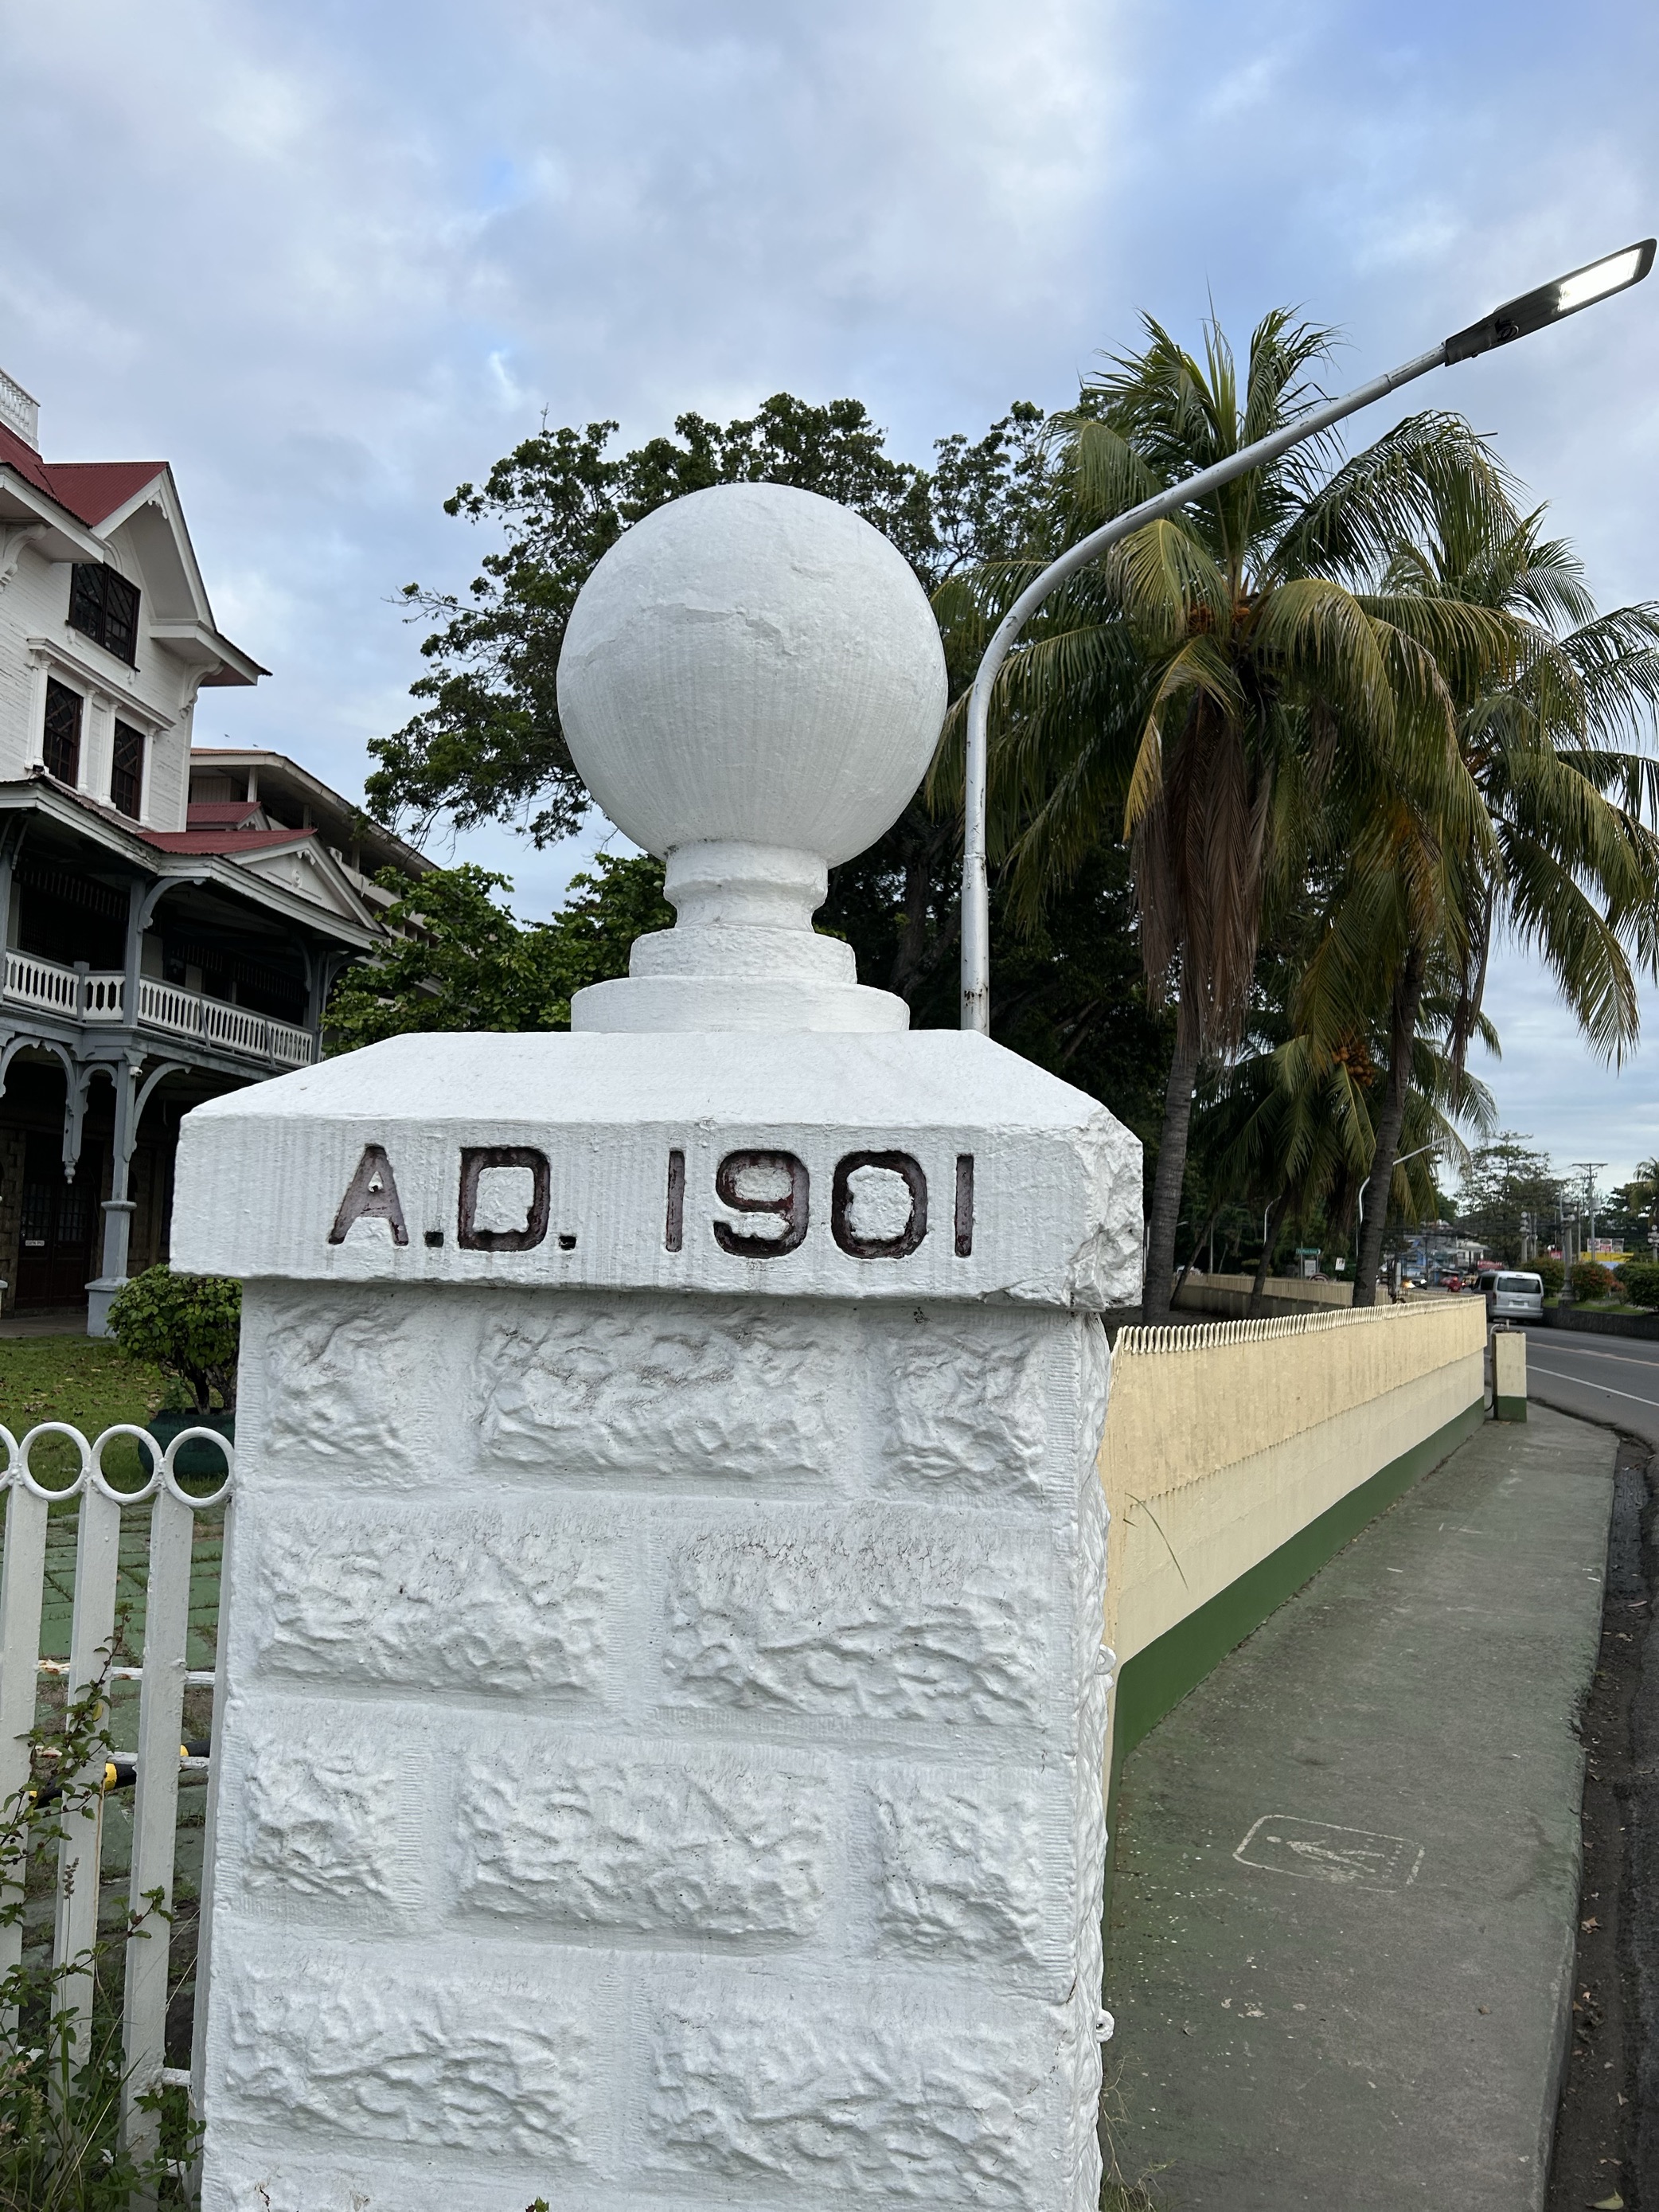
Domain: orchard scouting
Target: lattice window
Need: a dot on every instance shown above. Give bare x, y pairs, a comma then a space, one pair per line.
104, 607
126, 775
61, 749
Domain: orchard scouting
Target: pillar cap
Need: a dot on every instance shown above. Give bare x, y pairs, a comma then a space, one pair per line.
752, 686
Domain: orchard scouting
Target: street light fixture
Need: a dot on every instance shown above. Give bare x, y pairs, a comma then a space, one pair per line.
1516, 319
1399, 1163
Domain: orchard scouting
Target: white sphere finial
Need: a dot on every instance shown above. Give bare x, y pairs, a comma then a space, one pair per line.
751, 685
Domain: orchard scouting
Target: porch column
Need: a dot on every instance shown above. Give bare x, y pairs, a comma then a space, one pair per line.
119, 1207
664, 1686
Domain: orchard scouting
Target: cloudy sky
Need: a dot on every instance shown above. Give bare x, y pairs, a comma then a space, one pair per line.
332, 259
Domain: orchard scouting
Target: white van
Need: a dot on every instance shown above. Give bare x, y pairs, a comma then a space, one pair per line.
1515, 1298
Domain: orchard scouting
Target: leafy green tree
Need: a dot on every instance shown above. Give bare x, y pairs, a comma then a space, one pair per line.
460, 960
1559, 857
1197, 689
486, 743
1510, 1190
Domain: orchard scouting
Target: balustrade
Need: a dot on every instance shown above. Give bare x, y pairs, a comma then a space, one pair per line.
100, 996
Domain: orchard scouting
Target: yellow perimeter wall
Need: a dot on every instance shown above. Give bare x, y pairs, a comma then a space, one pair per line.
1230, 1294
1223, 1445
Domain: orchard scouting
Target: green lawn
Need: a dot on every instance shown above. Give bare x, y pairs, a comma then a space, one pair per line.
84, 1380
93, 1385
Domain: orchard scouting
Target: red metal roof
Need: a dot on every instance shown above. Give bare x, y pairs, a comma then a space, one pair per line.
90, 490
94, 489
220, 813
223, 841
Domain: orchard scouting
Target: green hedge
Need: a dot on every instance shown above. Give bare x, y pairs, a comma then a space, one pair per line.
1639, 1281
190, 1326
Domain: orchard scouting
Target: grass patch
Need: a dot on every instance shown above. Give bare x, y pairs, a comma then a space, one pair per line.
88, 1382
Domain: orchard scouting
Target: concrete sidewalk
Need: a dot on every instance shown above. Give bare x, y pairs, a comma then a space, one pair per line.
1346, 1883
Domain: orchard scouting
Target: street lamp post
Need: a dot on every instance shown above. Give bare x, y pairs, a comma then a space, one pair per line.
1516, 319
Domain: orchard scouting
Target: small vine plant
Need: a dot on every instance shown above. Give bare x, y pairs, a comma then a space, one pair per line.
60, 2111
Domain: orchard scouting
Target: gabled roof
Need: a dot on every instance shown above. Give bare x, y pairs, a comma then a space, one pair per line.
105, 499
90, 490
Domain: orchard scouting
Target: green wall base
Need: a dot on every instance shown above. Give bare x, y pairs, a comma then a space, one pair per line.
1155, 1680
1510, 1409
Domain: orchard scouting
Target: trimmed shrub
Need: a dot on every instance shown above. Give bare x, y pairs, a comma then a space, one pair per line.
1550, 1273
1639, 1281
1590, 1280
190, 1326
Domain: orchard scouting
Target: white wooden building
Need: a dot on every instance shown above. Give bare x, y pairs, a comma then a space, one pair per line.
172, 920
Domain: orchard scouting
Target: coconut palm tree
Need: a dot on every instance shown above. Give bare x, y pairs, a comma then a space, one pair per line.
1569, 868
1204, 688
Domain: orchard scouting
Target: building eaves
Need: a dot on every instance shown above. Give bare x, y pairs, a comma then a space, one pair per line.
71, 810
407, 856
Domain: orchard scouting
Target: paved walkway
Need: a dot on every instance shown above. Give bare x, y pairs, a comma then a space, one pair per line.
46, 1320
1346, 1893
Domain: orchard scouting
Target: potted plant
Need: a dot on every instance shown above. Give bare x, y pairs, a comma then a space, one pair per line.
189, 1327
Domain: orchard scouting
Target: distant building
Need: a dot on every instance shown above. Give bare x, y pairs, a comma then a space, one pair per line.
172, 919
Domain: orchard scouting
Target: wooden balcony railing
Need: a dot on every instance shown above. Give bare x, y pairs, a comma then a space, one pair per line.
96, 995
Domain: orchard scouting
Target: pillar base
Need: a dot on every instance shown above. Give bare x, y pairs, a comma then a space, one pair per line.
100, 1295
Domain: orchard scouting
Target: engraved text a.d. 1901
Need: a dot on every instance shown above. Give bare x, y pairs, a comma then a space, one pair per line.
878, 1203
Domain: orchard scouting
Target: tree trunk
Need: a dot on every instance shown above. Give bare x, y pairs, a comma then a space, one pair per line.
1408, 995
1171, 1171
1259, 1288
1208, 1230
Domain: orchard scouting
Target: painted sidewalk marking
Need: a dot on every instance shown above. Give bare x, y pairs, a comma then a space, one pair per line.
1317, 1850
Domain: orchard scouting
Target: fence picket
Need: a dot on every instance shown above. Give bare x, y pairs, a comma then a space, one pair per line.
156, 1810
161, 1673
22, 1577
97, 1559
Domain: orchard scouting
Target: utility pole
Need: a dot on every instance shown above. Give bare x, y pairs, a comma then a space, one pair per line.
1588, 1169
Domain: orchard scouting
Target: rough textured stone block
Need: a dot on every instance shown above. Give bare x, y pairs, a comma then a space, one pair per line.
883, 1615
667, 1393
478, 1599
961, 1859
966, 1414
346, 1382
323, 1819
720, 1844
816, 2101
333, 2043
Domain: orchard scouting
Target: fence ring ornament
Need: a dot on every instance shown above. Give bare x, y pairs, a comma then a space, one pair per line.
102, 1482
170, 1477
21, 1469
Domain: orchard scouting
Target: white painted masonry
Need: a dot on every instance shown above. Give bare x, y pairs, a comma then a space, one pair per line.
665, 1697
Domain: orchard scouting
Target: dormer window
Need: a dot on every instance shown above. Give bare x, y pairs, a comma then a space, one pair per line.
104, 607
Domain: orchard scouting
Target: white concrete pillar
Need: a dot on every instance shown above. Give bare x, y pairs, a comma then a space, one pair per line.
661, 1760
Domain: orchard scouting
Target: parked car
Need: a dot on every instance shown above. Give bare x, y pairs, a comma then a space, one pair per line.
1515, 1298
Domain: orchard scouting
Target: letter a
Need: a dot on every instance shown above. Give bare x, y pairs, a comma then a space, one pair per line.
372, 1196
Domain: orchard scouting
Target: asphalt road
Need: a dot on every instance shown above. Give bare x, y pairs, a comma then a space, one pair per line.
1611, 1379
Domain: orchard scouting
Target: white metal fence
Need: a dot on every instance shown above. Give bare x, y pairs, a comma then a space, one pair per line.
102, 1515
